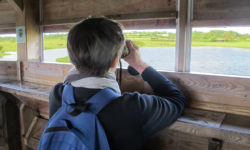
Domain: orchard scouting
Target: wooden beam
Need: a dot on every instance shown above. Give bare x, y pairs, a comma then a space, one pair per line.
57, 10
8, 26
183, 36
17, 5
121, 17
222, 9
31, 48
144, 16
221, 22
8, 31
128, 24
7, 14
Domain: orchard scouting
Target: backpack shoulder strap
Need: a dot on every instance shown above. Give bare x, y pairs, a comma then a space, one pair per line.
102, 99
68, 95
97, 102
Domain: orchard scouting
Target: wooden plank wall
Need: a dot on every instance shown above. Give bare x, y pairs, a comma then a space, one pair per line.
44, 73
129, 25
221, 12
8, 70
7, 18
222, 9
59, 15
174, 140
7, 15
57, 11
208, 92
54, 19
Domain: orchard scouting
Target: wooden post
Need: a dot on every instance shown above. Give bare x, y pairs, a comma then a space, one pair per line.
183, 35
30, 48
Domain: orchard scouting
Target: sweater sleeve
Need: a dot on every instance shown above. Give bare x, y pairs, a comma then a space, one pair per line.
163, 108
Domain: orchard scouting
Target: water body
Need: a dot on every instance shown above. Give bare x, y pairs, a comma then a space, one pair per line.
216, 60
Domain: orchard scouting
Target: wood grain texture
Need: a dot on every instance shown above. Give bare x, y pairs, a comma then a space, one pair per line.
128, 24
221, 22
195, 123
227, 136
145, 16
8, 70
217, 93
7, 14
8, 31
38, 128
35, 96
36, 133
33, 37
222, 9
45, 73
208, 89
203, 118
175, 140
227, 108
36, 103
17, 5
236, 123
56, 10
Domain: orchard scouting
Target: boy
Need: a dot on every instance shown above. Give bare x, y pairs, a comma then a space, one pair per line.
95, 46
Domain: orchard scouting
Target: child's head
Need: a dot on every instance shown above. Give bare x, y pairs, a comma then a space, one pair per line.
94, 44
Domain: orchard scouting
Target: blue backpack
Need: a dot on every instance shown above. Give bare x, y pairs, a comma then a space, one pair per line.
66, 131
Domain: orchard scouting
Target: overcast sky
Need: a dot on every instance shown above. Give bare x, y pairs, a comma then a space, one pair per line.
242, 30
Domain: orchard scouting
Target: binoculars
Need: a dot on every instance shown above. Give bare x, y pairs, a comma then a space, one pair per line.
131, 70
125, 52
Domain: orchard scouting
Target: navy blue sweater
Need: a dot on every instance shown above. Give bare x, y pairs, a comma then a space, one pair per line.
132, 118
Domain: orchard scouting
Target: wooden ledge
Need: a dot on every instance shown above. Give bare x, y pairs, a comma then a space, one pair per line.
228, 127
26, 89
33, 94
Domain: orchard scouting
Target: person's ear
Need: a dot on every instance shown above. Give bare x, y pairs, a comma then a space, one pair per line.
114, 64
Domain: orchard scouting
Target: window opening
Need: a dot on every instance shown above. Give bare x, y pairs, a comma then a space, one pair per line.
8, 47
224, 50
55, 47
157, 47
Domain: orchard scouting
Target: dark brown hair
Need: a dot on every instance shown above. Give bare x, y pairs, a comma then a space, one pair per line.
93, 44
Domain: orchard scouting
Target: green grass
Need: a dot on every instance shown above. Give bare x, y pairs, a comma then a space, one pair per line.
236, 44
63, 59
55, 41
7, 44
215, 38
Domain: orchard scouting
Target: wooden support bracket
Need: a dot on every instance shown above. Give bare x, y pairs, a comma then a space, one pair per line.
27, 135
17, 5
